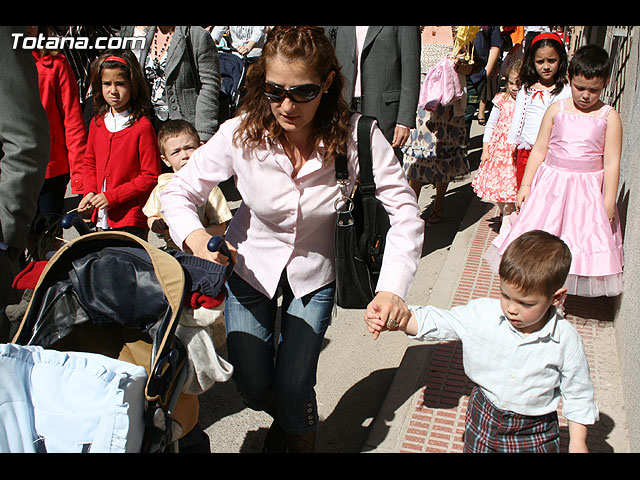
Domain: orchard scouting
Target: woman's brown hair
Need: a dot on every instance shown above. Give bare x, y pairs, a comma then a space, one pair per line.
140, 100
312, 46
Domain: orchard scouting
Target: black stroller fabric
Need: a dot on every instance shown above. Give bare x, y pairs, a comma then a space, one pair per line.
231, 73
118, 285
105, 284
232, 70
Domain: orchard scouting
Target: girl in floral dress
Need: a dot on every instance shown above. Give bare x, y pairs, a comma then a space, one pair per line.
495, 180
435, 153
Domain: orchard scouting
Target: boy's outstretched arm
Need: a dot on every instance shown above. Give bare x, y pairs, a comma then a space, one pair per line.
577, 438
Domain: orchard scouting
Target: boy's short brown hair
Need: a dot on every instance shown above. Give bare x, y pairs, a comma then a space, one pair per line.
173, 128
536, 262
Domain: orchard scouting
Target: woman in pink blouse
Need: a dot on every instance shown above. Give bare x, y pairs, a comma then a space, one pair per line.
281, 151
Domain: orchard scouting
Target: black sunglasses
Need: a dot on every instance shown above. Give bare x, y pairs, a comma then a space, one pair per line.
299, 94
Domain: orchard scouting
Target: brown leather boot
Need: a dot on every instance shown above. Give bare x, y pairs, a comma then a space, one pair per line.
275, 441
304, 443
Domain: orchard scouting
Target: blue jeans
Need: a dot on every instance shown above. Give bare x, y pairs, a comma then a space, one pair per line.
283, 375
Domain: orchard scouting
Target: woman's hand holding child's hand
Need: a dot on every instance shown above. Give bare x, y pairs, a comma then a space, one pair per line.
387, 311
374, 322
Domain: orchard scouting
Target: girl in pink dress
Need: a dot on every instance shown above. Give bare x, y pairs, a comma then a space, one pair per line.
570, 183
495, 180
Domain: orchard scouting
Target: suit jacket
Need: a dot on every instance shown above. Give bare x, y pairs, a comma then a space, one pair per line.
24, 140
390, 72
185, 102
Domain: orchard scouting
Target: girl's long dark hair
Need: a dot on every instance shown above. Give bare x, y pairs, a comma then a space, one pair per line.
140, 100
312, 46
529, 75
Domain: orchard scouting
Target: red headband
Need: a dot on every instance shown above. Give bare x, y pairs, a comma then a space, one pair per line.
546, 36
116, 59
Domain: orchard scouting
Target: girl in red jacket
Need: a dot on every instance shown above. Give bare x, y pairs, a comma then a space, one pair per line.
122, 160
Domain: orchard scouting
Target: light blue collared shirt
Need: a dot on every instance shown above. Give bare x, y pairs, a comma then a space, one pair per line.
525, 374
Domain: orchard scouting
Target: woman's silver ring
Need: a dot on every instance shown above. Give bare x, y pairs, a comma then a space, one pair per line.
392, 323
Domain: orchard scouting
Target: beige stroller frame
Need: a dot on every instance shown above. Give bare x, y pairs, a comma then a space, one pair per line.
169, 413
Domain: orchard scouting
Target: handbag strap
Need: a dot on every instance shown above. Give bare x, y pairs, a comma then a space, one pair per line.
367, 184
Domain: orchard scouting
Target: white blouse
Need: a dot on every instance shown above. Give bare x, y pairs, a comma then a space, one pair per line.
531, 106
288, 222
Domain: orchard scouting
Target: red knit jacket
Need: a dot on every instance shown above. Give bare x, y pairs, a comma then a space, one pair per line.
68, 137
129, 161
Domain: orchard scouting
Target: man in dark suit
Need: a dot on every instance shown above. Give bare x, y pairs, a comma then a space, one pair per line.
381, 66
24, 154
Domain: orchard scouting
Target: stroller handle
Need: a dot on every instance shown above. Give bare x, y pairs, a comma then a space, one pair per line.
218, 244
75, 220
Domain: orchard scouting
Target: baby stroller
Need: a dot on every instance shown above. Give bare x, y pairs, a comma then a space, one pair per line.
232, 73
111, 304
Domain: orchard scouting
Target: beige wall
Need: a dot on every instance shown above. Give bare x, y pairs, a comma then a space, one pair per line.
627, 321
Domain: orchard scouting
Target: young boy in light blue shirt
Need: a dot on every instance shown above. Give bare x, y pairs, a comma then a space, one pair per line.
523, 356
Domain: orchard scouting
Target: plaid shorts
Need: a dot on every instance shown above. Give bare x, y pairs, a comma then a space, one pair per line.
488, 429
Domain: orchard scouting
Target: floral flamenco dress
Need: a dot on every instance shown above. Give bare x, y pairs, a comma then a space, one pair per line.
435, 151
495, 179
567, 200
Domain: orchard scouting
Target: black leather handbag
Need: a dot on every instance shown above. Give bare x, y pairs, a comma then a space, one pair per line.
361, 228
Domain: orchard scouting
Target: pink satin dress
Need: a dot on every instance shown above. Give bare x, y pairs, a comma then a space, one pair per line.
567, 200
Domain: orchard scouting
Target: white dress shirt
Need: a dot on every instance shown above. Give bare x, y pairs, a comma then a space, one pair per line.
525, 374
361, 33
288, 221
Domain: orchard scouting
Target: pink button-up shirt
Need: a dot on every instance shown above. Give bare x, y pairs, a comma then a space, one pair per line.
287, 222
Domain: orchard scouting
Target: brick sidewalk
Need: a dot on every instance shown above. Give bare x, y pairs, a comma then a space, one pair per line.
436, 423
